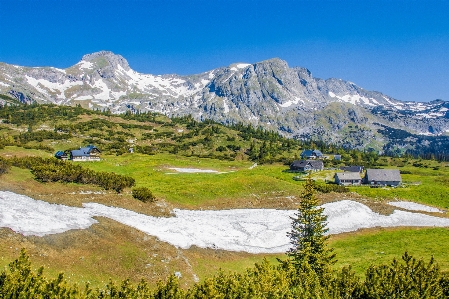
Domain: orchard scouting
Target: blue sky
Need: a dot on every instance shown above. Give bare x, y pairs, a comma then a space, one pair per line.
400, 48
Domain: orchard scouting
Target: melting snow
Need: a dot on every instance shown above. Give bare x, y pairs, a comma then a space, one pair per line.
354, 99
242, 65
250, 230
83, 98
226, 107
193, 170
289, 103
412, 206
104, 94
85, 65
237, 66
52, 85
1, 83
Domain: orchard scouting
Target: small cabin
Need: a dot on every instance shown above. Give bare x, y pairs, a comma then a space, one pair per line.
382, 177
307, 165
61, 155
88, 153
348, 178
311, 154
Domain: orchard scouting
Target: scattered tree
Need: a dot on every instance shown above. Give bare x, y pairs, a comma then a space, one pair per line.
307, 237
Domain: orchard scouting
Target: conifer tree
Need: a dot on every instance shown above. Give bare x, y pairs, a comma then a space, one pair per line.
307, 237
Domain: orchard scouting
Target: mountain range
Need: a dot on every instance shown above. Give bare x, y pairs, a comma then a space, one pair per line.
268, 94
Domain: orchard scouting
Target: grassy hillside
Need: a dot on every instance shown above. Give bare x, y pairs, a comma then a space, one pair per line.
111, 250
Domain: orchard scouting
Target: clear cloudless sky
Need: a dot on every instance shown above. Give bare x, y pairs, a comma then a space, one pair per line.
400, 48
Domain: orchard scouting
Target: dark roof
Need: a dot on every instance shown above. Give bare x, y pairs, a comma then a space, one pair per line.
352, 168
303, 163
348, 175
88, 148
318, 153
60, 153
383, 175
79, 153
310, 153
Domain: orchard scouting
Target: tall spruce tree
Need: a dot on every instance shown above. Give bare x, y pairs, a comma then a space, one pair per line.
307, 237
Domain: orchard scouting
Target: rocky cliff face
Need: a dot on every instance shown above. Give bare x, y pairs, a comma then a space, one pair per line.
268, 94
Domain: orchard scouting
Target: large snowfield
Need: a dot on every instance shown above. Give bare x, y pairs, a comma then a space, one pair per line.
250, 230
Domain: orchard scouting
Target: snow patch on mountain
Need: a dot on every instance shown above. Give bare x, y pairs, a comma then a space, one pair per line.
41, 84
83, 98
226, 107
292, 102
242, 65
104, 94
85, 65
355, 99
235, 67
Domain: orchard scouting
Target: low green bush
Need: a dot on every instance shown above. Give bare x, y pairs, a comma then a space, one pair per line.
327, 188
143, 194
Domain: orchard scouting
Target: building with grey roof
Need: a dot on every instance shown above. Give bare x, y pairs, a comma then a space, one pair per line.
307, 165
348, 178
382, 177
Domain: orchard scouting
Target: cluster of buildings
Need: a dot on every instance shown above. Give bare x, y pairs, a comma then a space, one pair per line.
351, 175
88, 153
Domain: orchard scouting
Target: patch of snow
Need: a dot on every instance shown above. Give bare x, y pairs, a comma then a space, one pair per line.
168, 86
55, 87
242, 65
417, 106
104, 94
354, 99
193, 170
83, 98
412, 206
58, 70
253, 117
429, 115
374, 101
426, 134
233, 69
289, 103
85, 65
118, 94
1, 83
34, 217
226, 107
250, 230
331, 94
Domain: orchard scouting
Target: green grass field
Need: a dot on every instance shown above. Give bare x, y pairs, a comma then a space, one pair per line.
424, 185
111, 250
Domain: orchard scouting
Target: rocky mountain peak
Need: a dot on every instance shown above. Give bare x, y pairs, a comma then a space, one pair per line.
267, 93
104, 59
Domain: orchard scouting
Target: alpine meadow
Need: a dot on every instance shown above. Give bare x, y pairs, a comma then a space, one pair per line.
224, 149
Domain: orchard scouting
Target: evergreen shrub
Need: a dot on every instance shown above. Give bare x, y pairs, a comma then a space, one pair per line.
143, 194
